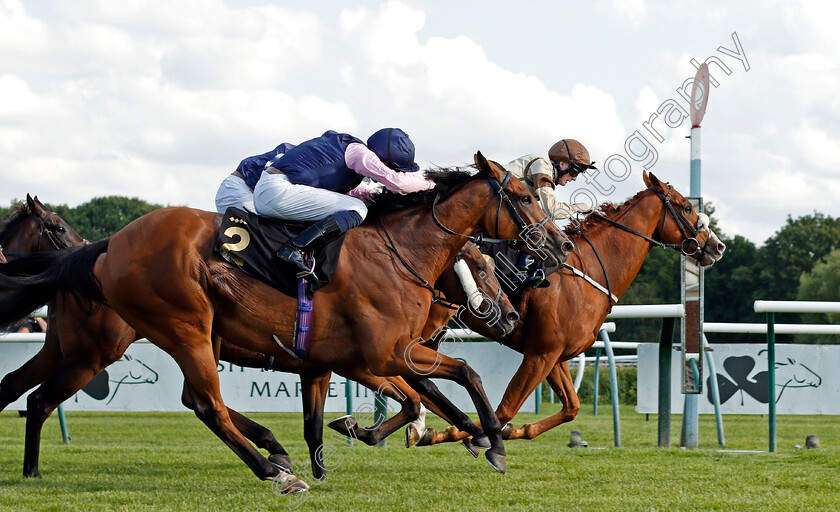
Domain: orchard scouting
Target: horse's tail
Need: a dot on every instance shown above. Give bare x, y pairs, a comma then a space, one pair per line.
31, 281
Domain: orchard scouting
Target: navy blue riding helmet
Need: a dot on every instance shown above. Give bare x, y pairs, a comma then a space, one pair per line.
394, 148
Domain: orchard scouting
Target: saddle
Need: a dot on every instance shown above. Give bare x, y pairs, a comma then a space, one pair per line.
250, 242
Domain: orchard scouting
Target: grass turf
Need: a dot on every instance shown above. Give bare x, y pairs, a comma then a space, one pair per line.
170, 461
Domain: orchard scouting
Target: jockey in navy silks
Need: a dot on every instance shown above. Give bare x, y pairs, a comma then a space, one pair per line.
319, 180
237, 190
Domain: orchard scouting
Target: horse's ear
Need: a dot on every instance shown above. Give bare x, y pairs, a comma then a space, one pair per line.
654, 182
35, 206
488, 168
482, 164
646, 178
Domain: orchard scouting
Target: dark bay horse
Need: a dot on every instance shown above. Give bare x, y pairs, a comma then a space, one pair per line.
82, 343
563, 320
163, 278
32, 227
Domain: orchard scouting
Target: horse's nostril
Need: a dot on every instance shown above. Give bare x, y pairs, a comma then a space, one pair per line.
721, 247
512, 317
567, 247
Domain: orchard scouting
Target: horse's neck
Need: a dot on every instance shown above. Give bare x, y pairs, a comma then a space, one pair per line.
621, 252
426, 247
20, 236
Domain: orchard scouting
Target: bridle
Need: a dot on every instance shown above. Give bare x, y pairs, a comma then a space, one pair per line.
43, 230
497, 300
524, 228
687, 230
498, 188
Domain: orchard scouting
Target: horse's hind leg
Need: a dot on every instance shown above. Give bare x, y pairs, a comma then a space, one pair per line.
33, 372
253, 431
314, 388
259, 435
194, 355
560, 380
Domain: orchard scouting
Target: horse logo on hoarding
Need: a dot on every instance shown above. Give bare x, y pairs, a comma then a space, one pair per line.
127, 370
790, 374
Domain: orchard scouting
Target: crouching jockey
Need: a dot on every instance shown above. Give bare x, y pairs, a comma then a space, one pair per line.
319, 181
237, 189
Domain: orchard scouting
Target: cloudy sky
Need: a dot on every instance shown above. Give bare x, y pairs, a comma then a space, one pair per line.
161, 99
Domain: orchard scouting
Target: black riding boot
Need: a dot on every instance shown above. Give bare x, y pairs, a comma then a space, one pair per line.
323, 231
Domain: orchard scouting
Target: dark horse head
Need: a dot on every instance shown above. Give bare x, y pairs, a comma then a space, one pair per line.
32, 227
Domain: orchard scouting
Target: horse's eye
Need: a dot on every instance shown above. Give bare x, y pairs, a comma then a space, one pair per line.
60, 229
525, 199
687, 208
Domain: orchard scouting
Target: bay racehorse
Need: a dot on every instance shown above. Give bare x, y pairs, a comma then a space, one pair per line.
32, 227
88, 341
563, 320
162, 276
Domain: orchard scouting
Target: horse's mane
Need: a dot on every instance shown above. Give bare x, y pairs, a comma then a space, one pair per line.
606, 209
19, 212
447, 179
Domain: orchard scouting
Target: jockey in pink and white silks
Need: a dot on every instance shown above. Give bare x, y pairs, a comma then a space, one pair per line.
319, 180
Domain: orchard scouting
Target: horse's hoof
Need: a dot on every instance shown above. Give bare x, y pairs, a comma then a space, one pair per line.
412, 435
284, 483
32, 474
427, 437
283, 462
499, 462
344, 424
481, 442
507, 430
470, 447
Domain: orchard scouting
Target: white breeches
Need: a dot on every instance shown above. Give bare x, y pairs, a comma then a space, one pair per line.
234, 192
275, 196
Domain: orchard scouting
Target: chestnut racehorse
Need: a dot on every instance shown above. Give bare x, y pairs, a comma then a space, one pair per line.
563, 320
163, 278
72, 356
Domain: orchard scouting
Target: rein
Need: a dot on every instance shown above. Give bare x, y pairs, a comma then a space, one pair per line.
682, 224
475, 239
436, 296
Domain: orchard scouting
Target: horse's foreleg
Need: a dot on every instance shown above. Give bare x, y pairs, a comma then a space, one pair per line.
560, 380
419, 361
531, 372
314, 388
391, 387
70, 377
33, 372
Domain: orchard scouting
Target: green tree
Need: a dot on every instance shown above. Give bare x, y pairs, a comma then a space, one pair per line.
793, 250
101, 217
730, 289
822, 283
